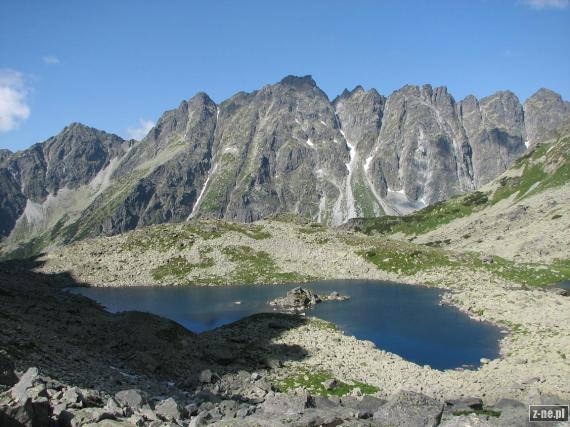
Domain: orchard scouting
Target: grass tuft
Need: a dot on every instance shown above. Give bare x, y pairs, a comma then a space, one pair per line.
311, 381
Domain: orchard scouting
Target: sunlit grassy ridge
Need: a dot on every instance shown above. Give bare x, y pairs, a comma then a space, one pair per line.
547, 166
409, 259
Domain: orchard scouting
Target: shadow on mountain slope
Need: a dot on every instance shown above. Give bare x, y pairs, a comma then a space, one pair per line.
73, 339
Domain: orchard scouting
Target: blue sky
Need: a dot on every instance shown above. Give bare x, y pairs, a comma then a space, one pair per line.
117, 65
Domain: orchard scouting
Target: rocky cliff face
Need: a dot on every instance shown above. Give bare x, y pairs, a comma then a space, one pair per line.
37, 181
545, 113
285, 148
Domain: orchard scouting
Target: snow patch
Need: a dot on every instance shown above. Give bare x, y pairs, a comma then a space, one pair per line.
202, 191
350, 166
322, 207
309, 143
367, 163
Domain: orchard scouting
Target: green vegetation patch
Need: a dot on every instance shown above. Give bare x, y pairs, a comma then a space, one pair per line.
425, 220
364, 199
322, 324
29, 248
216, 195
547, 166
407, 258
159, 238
515, 328
179, 267
103, 207
256, 266
402, 258
312, 228
183, 236
526, 273
311, 381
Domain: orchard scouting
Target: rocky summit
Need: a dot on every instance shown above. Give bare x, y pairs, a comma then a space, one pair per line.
285, 148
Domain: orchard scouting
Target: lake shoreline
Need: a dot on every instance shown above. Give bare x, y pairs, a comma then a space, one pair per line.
535, 355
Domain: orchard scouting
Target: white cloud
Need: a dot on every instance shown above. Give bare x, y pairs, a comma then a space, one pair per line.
51, 60
14, 107
141, 131
547, 4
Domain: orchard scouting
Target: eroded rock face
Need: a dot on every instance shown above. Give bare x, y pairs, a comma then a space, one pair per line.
545, 114
285, 148
495, 128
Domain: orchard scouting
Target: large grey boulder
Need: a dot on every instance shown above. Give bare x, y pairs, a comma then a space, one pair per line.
364, 407
81, 417
285, 404
133, 399
27, 381
168, 410
409, 409
27, 403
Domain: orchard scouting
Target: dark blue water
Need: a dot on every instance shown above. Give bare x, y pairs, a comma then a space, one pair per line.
406, 320
564, 285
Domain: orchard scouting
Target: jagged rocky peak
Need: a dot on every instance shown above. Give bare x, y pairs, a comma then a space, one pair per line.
176, 130
175, 122
275, 150
299, 82
77, 154
285, 148
69, 159
360, 113
495, 129
503, 110
545, 113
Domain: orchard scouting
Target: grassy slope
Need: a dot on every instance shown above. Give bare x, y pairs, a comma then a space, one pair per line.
547, 166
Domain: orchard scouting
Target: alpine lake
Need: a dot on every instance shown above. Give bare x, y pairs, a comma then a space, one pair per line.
406, 320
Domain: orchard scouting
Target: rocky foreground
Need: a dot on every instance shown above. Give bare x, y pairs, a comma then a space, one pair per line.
65, 361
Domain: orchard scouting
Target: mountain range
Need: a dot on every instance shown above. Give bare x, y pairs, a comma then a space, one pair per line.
285, 148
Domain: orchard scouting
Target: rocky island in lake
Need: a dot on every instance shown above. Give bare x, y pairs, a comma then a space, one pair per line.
300, 299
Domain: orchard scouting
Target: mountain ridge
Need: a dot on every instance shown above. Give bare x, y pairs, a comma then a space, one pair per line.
284, 148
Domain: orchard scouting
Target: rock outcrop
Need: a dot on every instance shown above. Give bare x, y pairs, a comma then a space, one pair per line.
299, 299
